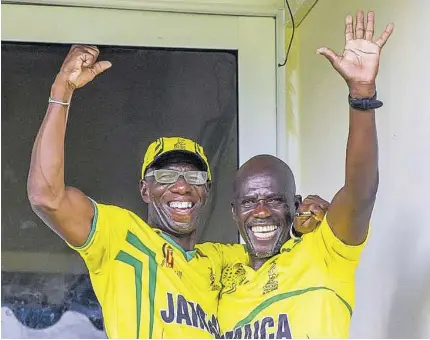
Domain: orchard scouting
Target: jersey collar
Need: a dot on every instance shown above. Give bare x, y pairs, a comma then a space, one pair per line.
189, 254
290, 244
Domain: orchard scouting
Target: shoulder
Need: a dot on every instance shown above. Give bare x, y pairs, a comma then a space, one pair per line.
226, 254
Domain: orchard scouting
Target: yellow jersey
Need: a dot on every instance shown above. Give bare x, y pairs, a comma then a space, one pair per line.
306, 291
147, 285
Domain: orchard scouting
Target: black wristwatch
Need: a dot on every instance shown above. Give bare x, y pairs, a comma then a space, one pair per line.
364, 104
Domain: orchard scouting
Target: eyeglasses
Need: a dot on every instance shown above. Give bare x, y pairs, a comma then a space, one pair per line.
167, 176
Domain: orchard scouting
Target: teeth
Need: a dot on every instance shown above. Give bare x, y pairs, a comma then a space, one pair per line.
264, 229
180, 205
265, 236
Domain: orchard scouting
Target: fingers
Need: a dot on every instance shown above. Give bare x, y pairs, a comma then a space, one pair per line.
314, 199
367, 34
317, 212
100, 67
385, 35
349, 33
87, 54
370, 26
316, 205
329, 54
359, 25
306, 225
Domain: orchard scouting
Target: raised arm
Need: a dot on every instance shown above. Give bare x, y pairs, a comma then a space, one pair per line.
66, 210
350, 211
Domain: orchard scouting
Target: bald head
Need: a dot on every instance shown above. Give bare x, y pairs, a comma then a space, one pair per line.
265, 165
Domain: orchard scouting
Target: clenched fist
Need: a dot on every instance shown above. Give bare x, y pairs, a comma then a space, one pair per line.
81, 66
317, 207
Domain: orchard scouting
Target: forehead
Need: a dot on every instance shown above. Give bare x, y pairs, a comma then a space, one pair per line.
262, 184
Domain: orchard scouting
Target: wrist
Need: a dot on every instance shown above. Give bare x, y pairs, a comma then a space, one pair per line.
362, 90
61, 90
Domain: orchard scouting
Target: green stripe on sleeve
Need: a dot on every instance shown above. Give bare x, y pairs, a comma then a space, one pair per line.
93, 226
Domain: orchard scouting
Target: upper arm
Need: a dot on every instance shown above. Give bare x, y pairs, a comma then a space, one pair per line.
71, 217
349, 218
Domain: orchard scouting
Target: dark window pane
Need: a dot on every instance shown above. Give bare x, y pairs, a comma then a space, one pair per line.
147, 93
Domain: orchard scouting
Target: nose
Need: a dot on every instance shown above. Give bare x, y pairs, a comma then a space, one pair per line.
261, 211
180, 187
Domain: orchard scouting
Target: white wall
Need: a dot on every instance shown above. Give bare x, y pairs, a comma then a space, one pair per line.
393, 279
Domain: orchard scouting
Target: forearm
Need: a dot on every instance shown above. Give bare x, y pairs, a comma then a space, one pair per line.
352, 206
361, 175
46, 177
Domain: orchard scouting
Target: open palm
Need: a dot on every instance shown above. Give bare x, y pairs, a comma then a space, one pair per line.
359, 61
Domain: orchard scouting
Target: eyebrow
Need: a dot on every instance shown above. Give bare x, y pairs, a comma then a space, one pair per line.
255, 196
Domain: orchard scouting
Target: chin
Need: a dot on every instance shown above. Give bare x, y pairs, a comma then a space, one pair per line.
182, 228
266, 250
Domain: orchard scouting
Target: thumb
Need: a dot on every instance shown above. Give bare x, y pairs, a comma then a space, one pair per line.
329, 54
100, 67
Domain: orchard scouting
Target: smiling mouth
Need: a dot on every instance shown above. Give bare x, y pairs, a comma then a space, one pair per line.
265, 232
181, 207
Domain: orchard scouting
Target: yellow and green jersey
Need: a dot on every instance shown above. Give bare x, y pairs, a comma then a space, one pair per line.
147, 285
306, 291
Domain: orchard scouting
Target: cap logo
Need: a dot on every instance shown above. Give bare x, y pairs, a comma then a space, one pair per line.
159, 146
180, 144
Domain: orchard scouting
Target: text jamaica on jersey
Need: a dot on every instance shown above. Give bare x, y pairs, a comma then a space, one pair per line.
267, 327
189, 313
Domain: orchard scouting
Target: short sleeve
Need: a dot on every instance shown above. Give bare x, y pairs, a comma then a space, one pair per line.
109, 223
337, 255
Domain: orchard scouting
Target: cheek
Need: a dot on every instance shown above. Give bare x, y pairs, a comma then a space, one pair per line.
242, 217
202, 193
156, 191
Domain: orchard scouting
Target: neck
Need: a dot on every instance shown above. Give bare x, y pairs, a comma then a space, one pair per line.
257, 262
187, 242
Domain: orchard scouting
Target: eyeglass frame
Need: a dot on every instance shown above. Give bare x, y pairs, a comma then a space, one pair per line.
179, 174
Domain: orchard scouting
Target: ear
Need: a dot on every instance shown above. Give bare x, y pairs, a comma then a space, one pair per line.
208, 185
233, 211
144, 191
297, 201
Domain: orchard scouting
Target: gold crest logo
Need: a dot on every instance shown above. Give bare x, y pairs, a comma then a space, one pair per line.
168, 260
